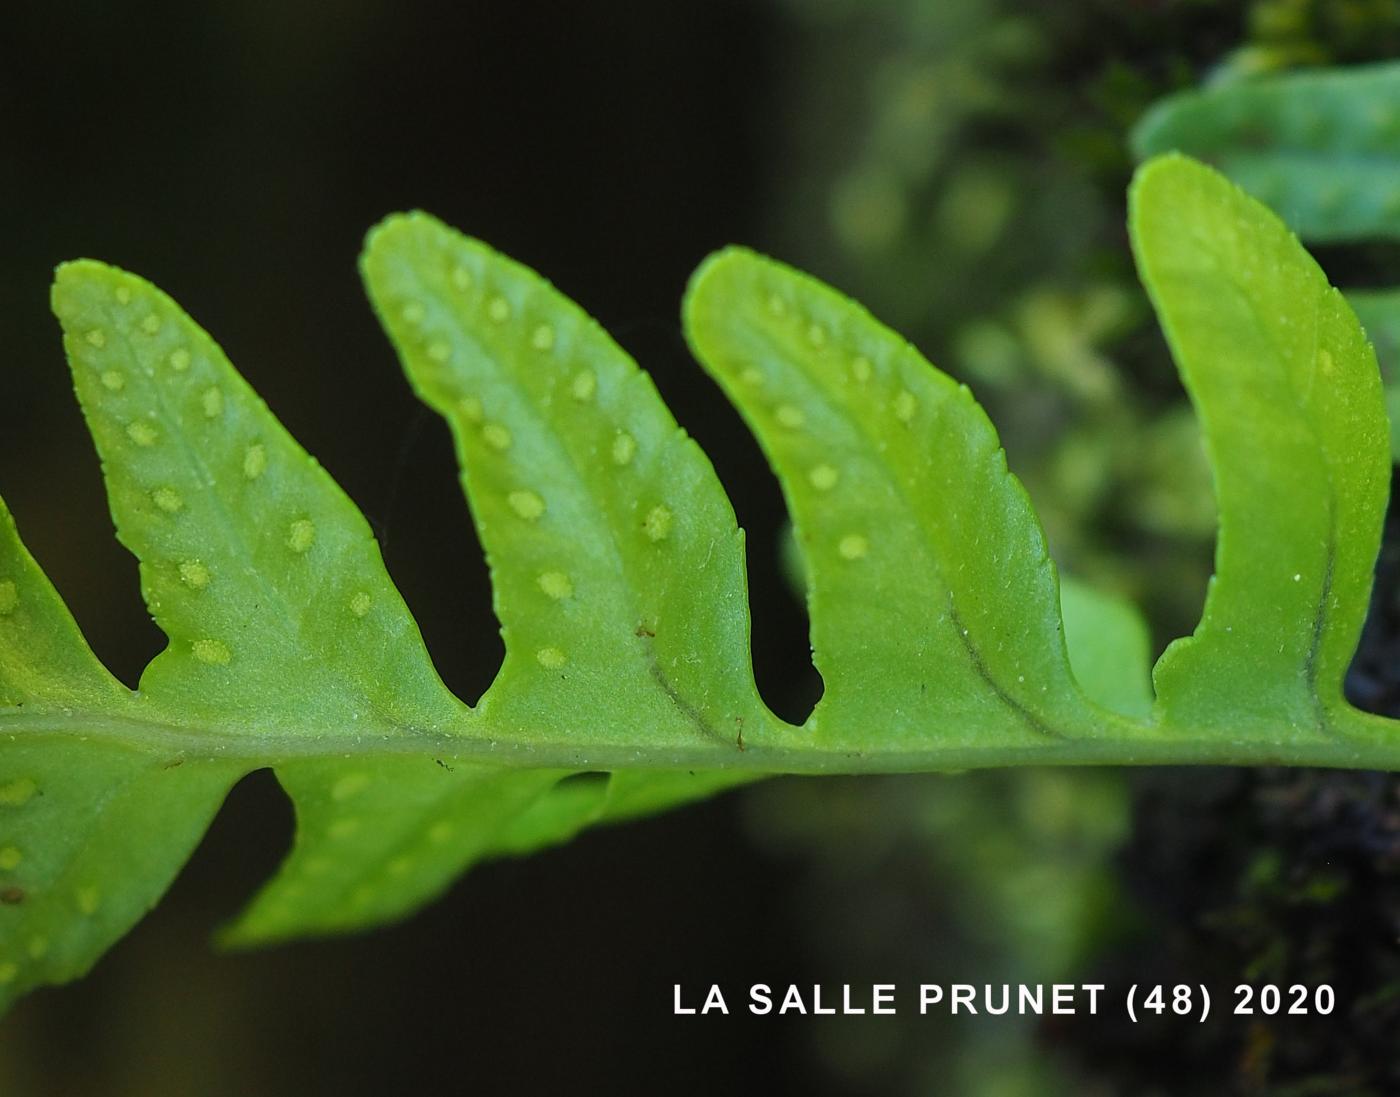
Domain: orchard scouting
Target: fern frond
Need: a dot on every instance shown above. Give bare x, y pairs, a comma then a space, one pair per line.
940, 627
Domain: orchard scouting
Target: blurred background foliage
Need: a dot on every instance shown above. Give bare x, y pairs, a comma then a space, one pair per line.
969, 190
957, 165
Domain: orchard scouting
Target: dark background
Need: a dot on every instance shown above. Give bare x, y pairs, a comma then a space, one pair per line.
235, 153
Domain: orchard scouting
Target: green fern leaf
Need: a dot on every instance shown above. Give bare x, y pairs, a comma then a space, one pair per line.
934, 607
91, 833
378, 837
253, 562
1296, 433
615, 557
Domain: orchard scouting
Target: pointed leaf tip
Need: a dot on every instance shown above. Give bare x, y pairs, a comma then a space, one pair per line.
616, 560
934, 609
259, 569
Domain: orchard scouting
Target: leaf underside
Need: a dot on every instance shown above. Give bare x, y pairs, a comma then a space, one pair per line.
942, 632
1297, 436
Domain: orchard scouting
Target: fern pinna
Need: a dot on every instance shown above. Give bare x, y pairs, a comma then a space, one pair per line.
943, 636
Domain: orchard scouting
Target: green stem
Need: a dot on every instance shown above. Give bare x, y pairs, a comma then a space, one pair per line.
1355, 740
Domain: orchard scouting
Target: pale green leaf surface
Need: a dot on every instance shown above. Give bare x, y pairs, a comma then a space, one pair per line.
44, 660
1109, 648
934, 609
90, 837
376, 840
264, 557
615, 558
632, 794
263, 575
1289, 399
582, 800
1320, 147
593, 798
261, 572
90, 834
567, 807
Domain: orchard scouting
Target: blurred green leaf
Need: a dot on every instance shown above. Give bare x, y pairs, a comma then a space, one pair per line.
1320, 147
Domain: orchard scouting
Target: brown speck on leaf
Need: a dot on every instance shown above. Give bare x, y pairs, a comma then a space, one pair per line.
642, 630
11, 896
